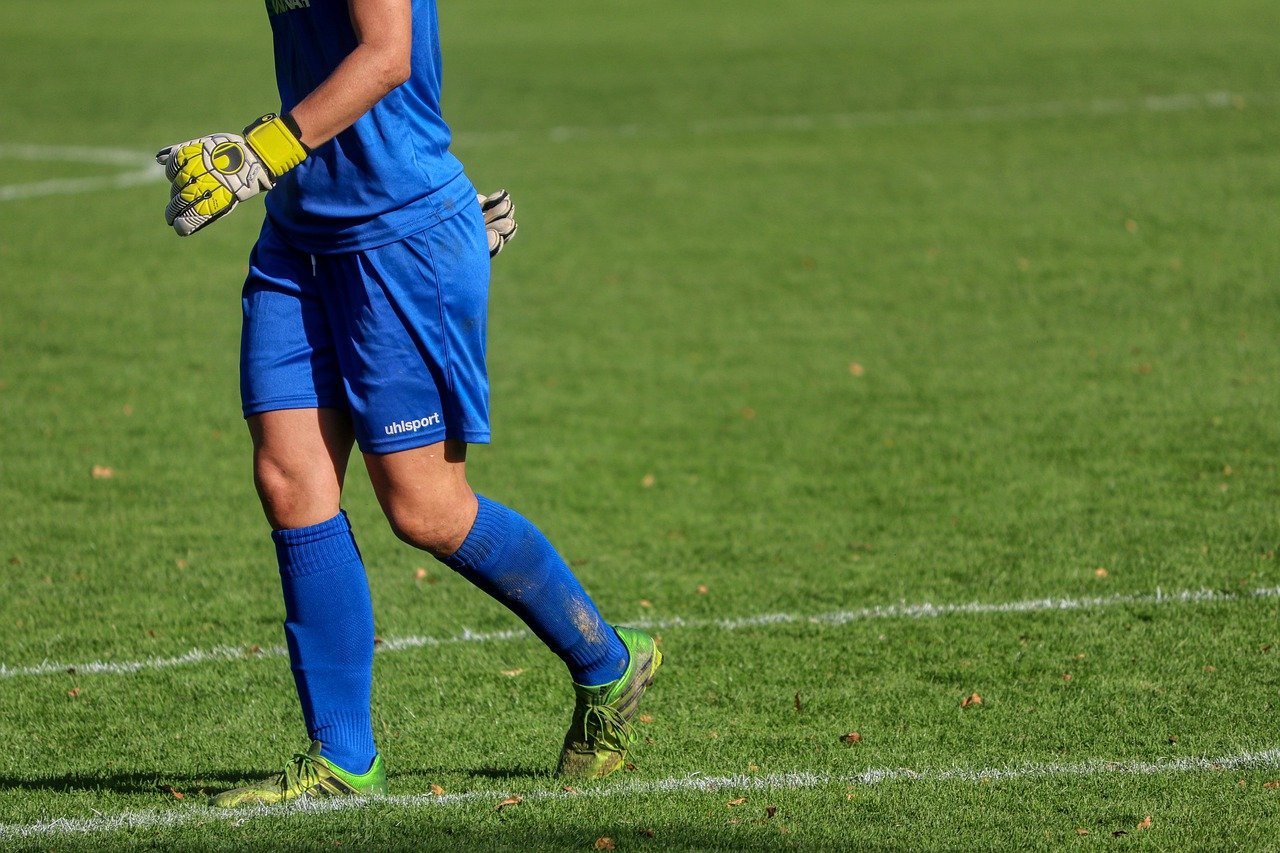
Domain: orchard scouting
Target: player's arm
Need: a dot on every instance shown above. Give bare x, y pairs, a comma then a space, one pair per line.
380, 62
212, 174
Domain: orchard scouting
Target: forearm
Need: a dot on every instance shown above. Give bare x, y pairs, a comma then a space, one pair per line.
380, 62
359, 82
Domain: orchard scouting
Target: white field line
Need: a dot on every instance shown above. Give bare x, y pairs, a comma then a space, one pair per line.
837, 617
735, 784
145, 171
142, 169
880, 118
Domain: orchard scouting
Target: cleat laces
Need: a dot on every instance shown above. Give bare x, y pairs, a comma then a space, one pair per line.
603, 725
300, 774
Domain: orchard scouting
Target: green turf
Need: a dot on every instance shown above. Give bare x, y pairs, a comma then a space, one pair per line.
814, 307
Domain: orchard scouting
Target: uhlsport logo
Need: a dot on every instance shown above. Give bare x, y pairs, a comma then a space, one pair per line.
279, 7
414, 425
227, 158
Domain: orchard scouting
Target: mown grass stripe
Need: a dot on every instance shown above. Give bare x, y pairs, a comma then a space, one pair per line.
838, 617
905, 117
737, 783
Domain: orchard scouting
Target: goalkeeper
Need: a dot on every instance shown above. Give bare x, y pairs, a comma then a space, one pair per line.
364, 322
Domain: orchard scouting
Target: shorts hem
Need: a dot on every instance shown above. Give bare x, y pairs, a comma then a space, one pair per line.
261, 407
381, 447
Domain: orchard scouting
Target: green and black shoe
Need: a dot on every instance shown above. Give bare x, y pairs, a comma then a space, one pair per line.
308, 775
601, 731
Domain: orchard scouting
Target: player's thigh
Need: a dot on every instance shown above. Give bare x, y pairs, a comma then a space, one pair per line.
299, 463
425, 495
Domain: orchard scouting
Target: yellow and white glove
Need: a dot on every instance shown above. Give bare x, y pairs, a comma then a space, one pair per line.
212, 174
499, 219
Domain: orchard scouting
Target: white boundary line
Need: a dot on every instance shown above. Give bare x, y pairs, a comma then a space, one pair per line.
145, 170
737, 784
882, 118
837, 617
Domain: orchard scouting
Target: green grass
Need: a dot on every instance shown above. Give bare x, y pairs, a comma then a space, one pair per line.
1063, 315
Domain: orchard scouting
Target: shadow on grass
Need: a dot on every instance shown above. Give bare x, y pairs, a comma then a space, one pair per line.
131, 783
142, 783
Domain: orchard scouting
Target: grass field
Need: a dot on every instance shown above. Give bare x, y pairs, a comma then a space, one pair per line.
876, 355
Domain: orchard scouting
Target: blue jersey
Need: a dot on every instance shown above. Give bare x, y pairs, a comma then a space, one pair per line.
387, 176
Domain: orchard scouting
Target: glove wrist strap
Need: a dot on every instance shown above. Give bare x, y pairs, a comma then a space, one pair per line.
275, 139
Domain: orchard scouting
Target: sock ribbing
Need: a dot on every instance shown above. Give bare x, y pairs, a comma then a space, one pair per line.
510, 559
329, 630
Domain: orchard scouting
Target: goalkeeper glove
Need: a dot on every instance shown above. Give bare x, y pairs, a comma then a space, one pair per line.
499, 219
212, 174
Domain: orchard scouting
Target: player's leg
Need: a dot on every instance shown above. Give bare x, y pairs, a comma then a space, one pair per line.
299, 463
426, 498
302, 438
415, 371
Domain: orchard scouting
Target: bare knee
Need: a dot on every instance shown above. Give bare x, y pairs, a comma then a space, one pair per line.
438, 526
299, 459
425, 495
292, 497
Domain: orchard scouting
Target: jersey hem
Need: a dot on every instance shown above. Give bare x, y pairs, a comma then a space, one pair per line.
380, 230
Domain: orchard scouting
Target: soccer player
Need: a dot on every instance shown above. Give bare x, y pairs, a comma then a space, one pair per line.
364, 321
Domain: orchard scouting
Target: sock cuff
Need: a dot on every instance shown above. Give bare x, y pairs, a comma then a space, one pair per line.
489, 532
307, 550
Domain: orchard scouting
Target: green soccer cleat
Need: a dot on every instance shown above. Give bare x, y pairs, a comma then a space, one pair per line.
308, 775
601, 732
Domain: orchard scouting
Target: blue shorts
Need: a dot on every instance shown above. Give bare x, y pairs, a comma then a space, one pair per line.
395, 335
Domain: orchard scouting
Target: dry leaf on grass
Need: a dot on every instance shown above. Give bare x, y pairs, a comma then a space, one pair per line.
738, 802
645, 718
1145, 823
102, 472
509, 801
171, 791
770, 811
604, 842
436, 790
1080, 830
851, 738
73, 692
971, 699
1272, 785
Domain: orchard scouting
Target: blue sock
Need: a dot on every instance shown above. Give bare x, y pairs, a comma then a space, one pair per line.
510, 559
329, 627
